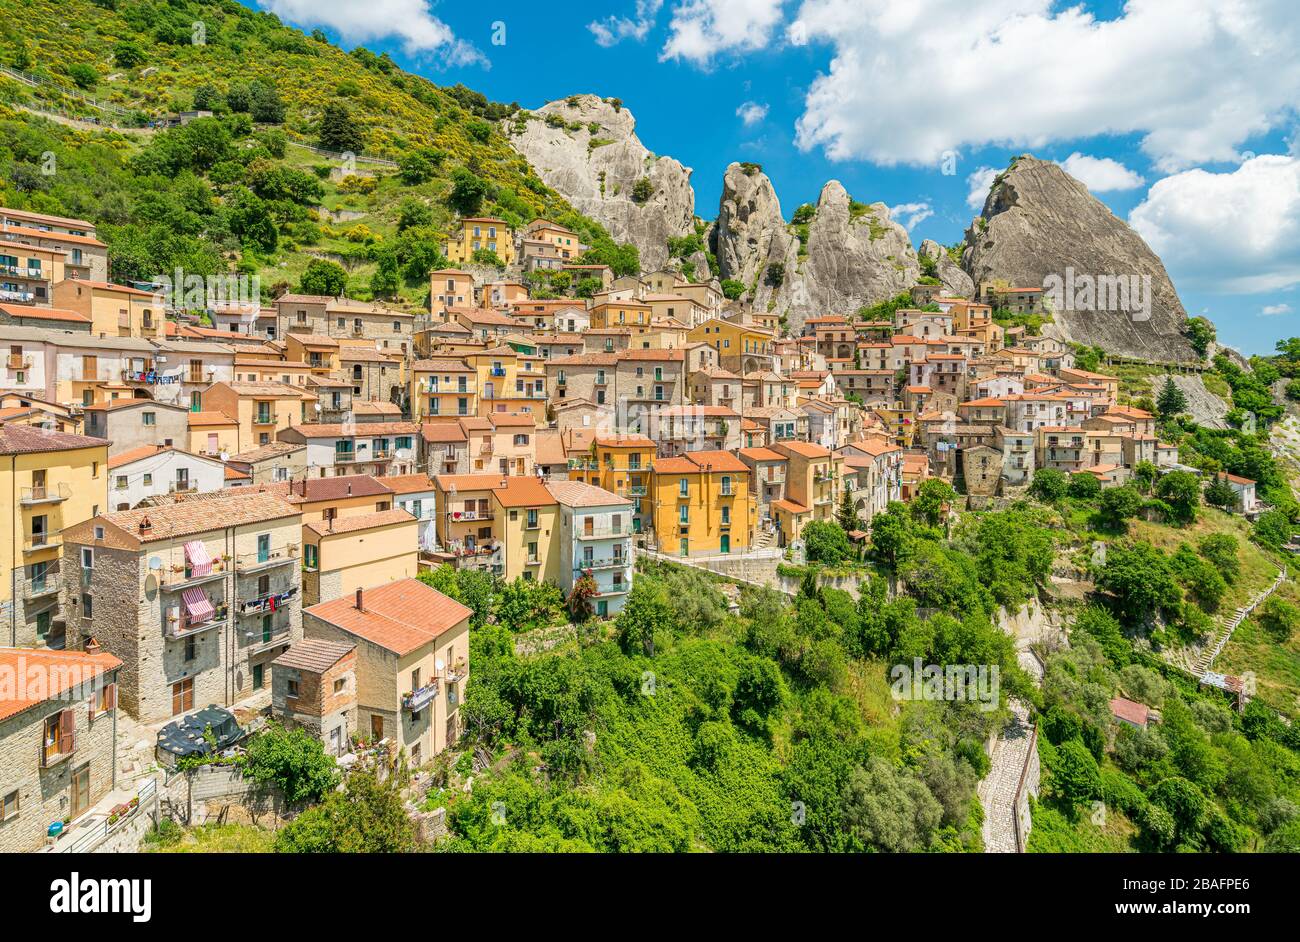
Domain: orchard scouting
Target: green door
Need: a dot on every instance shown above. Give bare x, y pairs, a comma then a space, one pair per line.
266, 627
726, 543
257, 676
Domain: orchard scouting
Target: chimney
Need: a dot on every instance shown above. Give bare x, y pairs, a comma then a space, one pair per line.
360, 601
145, 525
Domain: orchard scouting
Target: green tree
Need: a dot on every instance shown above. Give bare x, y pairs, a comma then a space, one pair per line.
647, 610
888, 809
1119, 504
732, 289
1144, 475
324, 278
529, 604
1222, 552
1142, 581
1075, 776
1219, 493
1049, 485
83, 75
1181, 490
468, 191
293, 761
1084, 486
1279, 619
339, 131
1170, 401
642, 190
932, 497
891, 535
1200, 333
127, 54
826, 542
368, 817
847, 515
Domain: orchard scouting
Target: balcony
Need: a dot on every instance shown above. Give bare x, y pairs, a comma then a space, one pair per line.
45, 494
42, 587
182, 576
42, 541
255, 562
419, 699
602, 533
610, 562
345, 457
261, 604
381, 454
18, 361
637, 490
188, 487
7, 294
469, 516
180, 625
264, 638
261, 419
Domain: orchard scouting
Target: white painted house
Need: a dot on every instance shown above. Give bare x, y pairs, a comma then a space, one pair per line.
159, 471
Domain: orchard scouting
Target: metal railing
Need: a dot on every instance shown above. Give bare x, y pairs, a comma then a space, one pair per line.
248, 562
46, 493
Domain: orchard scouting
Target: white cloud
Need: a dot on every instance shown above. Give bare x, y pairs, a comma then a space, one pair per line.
751, 112
907, 81
702, 29
614, 29
909, 214
1237, 231
411, 22
979, 183
1100, 174
1271, 310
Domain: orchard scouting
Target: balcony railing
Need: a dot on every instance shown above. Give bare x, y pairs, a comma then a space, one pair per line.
182, 625
603, 533
611, 562
189, 487
182, 576
469, 516
252, 562
419, 699
41, 587
18, 361
46, 494
261, 638
260, 604
345, 457
261, 419
42, 541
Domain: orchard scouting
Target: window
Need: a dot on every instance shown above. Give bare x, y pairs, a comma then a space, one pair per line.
340, 685
309, 555
684, 515
149, 418
87, 605
105, 700
684, 487
292, 689
532, 520
191, 648
182, 697
9, 806
87, 557
60, 736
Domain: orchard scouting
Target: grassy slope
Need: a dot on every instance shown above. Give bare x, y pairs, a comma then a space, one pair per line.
398, 111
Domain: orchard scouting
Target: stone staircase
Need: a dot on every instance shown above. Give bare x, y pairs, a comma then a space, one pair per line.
1228, 624
1001, 788
766, 539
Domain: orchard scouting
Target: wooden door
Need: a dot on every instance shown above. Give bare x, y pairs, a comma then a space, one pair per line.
81, 791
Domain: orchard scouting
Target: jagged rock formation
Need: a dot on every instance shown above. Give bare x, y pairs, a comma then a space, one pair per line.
587, 150
853, 254
1204, 406
1040, 221
956, 283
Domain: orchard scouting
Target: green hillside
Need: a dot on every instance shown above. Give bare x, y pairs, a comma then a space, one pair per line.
238, 190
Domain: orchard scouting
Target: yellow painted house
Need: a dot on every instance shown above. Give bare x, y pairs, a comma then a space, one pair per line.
481, 232
702, 504
527, 527
114, 310
262, 409
509, 381
442, 386
741, 348
55, 480
621, 465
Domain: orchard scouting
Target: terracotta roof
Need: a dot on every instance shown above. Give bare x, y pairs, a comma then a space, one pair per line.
135, 454
1130, 710
187, 517
360, 429
28, 439
407, 483
548, 448
468, 482
805, 449
578, 494
27, 312
791, 506
762, 454
511, 419
380, 518
624, 441
314, 655
441, 365
401, 616
523, 491
60, 672
270, 450
442, 432
234, 475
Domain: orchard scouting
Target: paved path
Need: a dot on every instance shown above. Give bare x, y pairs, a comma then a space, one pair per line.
998, 790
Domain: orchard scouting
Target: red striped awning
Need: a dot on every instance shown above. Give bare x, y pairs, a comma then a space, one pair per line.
197, 604
200, 561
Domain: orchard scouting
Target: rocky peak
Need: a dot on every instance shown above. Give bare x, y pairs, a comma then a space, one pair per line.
586, 148
1038, 221
853, 254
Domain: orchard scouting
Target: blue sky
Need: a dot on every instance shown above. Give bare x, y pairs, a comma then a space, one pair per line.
1178, 114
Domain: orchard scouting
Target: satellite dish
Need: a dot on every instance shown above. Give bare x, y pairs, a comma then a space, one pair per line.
155, 563
438, 664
